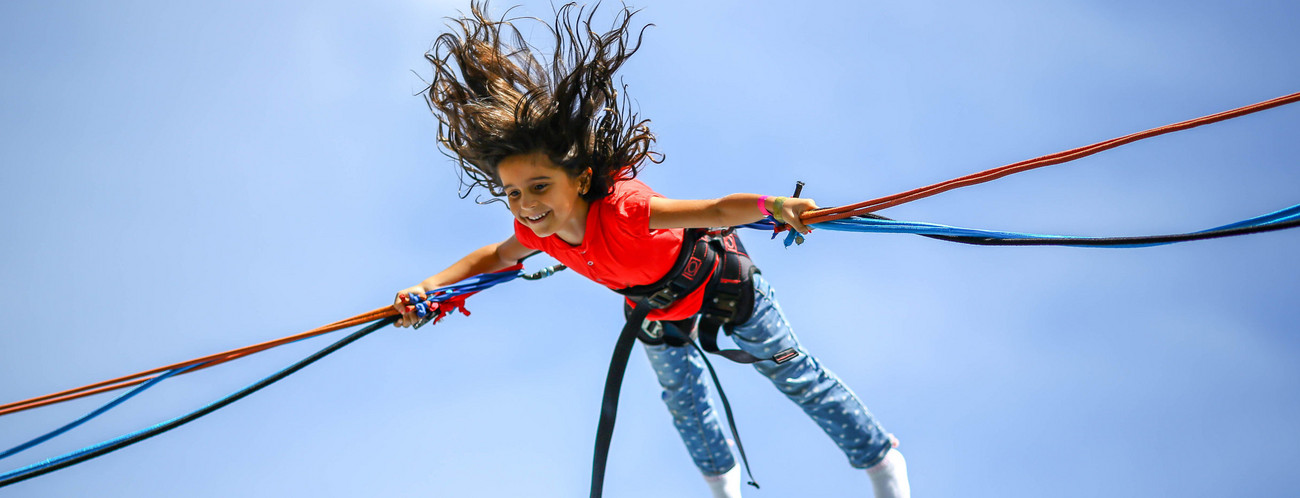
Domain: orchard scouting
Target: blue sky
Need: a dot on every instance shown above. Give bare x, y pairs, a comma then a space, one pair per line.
179, 179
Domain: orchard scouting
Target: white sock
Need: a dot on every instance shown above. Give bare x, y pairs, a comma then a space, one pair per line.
726, 485
889, 477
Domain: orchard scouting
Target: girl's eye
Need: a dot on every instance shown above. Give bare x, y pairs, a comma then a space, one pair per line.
513, 194
539, 187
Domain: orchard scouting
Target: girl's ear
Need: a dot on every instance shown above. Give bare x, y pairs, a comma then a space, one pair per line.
584, 181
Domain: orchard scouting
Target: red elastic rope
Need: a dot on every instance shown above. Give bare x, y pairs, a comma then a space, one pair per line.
211, 360
889, 201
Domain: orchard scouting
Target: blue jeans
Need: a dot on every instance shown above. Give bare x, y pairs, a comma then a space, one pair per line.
804, 380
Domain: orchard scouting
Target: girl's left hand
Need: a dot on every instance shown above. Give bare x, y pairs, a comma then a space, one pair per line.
792, 208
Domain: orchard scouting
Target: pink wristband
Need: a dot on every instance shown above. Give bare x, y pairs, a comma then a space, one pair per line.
762, 205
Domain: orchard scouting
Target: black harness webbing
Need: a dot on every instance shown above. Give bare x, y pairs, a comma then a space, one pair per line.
609, 404
731, 421
718, 261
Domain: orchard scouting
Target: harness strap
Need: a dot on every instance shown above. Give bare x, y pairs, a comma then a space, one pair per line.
709, 343
729, 301
694, 265
609, 404
614, 383
717, 262
731, 421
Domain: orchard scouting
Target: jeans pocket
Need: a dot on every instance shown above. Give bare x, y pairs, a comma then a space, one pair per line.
761, 287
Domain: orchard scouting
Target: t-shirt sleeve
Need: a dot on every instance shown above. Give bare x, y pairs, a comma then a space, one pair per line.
632, 204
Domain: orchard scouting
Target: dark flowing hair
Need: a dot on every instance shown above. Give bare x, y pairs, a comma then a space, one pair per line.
494, 98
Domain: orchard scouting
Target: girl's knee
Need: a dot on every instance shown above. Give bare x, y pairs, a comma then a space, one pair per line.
674, 368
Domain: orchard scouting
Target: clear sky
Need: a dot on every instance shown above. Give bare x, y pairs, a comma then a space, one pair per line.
181, 178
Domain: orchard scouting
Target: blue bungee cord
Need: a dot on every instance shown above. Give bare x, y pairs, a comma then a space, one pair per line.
97, 412
1277, 220
454, 293
115, 444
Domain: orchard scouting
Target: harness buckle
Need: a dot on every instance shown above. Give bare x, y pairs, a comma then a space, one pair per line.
653, 329
724, 305
662, 298
785, 355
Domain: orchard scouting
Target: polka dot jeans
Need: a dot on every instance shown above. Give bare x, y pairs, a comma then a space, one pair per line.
804, 380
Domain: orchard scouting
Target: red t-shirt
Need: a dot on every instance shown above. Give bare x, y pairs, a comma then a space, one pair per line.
619, 249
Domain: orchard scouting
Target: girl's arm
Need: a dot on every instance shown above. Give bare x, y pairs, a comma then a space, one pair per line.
732, 210
486, 259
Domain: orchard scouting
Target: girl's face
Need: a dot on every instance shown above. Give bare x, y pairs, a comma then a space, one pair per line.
544, 197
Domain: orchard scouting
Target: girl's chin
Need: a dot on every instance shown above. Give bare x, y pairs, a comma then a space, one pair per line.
540, 231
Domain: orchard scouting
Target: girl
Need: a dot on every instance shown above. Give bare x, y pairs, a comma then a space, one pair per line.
557, 143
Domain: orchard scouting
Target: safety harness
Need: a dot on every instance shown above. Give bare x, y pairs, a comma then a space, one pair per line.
717, 260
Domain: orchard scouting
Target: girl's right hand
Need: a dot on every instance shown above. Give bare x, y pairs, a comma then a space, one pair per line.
408, 311
792, 209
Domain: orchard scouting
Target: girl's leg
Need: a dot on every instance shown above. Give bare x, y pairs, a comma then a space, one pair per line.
679, 371
808, 384
889, 477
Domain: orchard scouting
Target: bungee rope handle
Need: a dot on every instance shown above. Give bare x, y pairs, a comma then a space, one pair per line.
438, 303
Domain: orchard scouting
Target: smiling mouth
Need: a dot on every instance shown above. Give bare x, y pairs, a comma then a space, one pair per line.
536, 218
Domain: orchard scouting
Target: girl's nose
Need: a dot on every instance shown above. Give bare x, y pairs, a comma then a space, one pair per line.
527, 201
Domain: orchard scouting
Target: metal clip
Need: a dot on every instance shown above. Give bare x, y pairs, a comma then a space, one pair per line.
653, 329
425, 319
663, 298
543, 273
